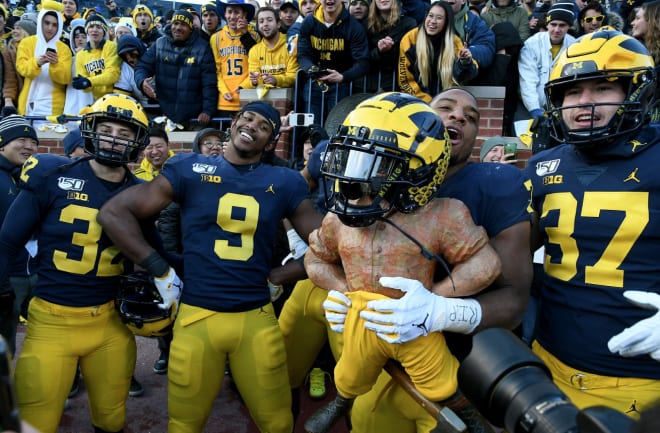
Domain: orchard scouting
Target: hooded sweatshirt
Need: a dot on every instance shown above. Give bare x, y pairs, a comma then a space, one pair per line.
44, 88
341, 46
101, 65
126, 83
76, 99
275, 61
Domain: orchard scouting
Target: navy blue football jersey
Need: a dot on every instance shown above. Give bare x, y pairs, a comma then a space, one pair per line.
314, 164
78, 265
601, 224
495, 194
229, 220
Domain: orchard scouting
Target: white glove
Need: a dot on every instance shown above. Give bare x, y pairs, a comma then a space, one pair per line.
276, 290
336, 305
169, 286
644, 336
419, 312
297, 245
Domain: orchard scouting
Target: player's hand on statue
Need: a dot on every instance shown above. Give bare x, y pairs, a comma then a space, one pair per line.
418, 312
404, 319
169, 286
336, 306
644, 336
276, 290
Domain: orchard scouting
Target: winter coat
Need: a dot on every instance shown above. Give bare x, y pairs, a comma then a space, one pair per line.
185, 76
476, 35
385, 64
342, 46
513, 13
534, 66
409, 74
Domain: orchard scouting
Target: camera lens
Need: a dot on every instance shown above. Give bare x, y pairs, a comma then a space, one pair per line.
512, 387
530, 402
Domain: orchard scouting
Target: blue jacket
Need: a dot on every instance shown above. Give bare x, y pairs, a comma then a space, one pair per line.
186, 80
343, 46
9, 187
476, 35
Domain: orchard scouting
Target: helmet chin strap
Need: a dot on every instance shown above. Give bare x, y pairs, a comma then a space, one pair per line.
108, 162
426, 253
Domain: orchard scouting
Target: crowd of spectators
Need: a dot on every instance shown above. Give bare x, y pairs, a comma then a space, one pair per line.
195, 72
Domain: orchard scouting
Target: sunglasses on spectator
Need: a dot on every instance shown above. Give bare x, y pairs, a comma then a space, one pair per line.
355, 2
213, 144
598, 18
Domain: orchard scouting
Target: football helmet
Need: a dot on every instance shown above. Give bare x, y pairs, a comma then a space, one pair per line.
606, 54
106, 148
137, 304
392, 151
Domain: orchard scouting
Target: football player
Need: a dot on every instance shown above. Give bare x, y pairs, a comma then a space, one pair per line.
597, 200
383, 238
232, 205
72, 314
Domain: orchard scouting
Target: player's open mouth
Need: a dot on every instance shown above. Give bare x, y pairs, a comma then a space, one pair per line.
455, 135
586, 118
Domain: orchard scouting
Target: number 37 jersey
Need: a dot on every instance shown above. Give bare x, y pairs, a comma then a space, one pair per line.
229, 219
601, 223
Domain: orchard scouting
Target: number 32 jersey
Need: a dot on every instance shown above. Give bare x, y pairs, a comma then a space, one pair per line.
78, 265
601, 223
229, 219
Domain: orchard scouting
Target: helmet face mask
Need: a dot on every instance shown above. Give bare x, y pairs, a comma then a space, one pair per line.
137, 305
605, 55
372, 170
105, 147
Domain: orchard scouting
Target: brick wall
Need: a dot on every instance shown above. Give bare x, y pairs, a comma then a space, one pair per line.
51, 142
490, 101
491, 106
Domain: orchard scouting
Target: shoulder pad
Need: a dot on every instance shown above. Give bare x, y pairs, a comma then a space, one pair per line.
38, 167
180, 156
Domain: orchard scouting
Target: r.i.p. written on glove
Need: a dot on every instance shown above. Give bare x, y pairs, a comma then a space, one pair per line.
418, 312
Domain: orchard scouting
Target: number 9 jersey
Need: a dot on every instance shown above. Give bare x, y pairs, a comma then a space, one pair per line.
601, 226
227, 263
78, 265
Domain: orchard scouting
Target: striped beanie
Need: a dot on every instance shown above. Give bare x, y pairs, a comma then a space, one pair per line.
561, 12
96, 19
15, 126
